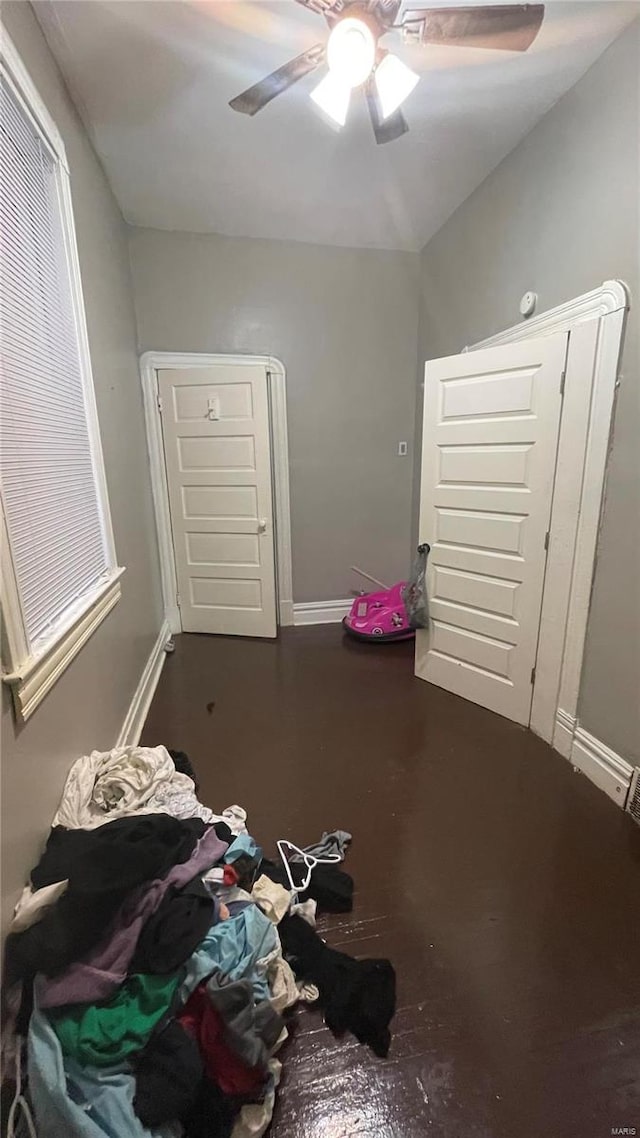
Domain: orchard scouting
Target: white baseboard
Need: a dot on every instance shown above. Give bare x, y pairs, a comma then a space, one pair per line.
608, 770
134, 721
321, 612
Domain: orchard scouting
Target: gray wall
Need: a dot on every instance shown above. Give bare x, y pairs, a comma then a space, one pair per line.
87, 706
344, 323
559, 216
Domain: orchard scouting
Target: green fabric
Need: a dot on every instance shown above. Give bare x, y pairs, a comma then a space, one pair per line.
106, 1033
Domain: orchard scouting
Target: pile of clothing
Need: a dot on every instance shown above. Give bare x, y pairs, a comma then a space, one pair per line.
153, 956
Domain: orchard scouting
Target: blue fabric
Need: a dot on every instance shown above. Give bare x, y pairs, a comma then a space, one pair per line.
243, 844
81, 1102
234, 947
84, 1102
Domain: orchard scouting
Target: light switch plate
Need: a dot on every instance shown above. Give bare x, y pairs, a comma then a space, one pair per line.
402, 449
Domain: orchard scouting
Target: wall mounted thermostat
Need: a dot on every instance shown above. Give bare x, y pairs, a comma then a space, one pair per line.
528, 303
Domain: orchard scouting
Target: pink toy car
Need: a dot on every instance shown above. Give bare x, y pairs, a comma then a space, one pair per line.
380, 616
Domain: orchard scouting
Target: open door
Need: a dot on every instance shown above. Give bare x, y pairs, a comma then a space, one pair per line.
491, 423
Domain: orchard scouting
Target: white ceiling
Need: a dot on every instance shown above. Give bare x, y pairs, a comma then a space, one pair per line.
153, 79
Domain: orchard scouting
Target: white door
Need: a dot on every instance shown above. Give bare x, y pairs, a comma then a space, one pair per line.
491, 421
215, 423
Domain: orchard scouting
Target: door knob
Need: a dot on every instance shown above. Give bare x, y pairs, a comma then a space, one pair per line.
262, 525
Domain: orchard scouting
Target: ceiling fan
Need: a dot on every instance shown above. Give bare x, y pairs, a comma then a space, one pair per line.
356, 59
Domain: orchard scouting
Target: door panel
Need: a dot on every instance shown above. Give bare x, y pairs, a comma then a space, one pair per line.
215, 592
493, 595
216, 506
491, 421
507, 392
487, 533
218, 549
233, 402
215, 424
482, 652
501, 465
219, 455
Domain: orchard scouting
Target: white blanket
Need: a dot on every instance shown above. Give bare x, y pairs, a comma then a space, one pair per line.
106, 785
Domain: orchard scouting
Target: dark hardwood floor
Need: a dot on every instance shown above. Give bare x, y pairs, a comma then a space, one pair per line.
504, 887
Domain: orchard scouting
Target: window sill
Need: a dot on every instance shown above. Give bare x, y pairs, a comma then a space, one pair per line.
35, 677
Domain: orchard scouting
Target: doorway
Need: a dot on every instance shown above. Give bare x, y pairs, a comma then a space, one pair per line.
491, 422
509, 441
217, 435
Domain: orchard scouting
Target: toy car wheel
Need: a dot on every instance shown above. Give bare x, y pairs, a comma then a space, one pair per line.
377, 632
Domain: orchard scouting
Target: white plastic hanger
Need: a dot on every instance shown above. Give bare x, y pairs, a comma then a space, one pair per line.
309, 860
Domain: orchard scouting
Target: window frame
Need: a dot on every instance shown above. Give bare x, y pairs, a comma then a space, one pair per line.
32, 672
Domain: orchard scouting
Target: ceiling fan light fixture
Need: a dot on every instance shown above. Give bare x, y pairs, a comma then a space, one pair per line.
351, 51
394, 82
332, 96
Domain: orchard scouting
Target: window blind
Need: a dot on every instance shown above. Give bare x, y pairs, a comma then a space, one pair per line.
52, 505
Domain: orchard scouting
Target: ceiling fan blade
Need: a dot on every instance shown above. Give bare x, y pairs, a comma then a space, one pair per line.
508, 27
255, 98
385, 130
328, 8
383, 11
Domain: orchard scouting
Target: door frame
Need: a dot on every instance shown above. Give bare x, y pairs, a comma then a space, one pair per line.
150, 363
595, 322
